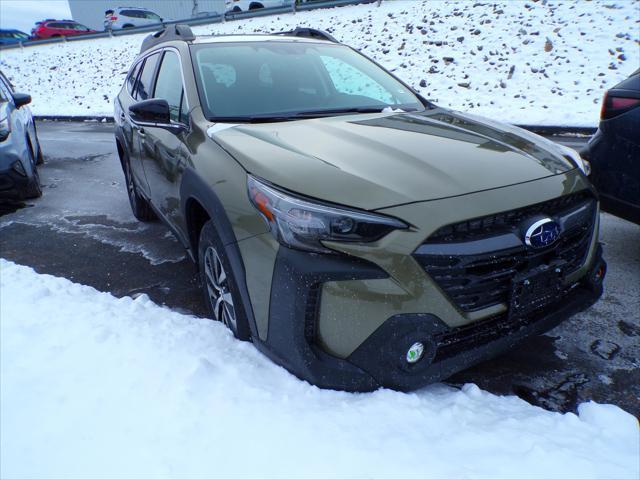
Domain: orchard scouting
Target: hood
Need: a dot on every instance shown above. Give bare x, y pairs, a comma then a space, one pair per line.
381, 160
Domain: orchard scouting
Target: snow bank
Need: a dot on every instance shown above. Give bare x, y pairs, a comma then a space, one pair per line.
96, 386
537, 62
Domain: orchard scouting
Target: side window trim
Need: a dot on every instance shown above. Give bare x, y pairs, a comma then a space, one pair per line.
154, 75
155, 80
132, 88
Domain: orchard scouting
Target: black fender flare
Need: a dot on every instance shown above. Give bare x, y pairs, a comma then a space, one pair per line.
120, 137
193, 187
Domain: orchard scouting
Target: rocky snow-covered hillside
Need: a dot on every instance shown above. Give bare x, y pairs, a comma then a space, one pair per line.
528, 62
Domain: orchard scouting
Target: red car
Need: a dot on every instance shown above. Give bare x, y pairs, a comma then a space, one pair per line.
58, 28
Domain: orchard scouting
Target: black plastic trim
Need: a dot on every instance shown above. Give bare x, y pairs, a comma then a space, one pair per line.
296, 276
193, 187
383, 353
380, 360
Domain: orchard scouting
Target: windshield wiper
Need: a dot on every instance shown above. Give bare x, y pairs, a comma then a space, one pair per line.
253, 119
284, 117
338, 111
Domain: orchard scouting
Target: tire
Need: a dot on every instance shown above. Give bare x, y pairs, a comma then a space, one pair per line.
218, 282
139, 205
33, 190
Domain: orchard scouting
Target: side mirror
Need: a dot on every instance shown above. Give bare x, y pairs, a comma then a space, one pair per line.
21, 99
154, 110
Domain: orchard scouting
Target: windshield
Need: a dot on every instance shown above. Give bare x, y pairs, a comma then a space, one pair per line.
253, 80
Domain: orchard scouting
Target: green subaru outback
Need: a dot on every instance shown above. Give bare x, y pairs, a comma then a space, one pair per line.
356, 233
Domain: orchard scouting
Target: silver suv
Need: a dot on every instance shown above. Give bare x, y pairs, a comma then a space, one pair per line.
129, 17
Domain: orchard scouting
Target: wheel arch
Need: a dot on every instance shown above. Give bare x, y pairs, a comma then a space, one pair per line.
198, 200
199, 204
195, 215
120, 149
29, 147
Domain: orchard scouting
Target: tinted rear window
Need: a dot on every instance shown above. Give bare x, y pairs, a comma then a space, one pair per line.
131, 79
143, 87
139, 14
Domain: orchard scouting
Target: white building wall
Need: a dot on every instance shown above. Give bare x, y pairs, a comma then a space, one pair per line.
91, 12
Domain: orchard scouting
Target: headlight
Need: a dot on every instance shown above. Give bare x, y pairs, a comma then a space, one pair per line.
303, 224
581, 163
5, 129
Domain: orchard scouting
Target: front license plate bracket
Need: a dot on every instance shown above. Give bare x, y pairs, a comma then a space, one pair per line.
535, 289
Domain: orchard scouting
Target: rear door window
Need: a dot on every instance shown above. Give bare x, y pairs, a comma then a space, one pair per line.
131, 79
4, 93
145, 83
131, 13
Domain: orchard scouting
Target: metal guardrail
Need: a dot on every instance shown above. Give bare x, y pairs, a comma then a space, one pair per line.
201, 20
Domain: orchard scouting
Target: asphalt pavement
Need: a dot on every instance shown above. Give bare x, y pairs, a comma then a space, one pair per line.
82, 229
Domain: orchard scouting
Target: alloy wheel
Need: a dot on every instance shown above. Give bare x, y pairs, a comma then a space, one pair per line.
218, 291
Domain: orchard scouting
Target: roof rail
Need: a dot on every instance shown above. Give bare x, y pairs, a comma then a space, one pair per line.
173, 32
309, 33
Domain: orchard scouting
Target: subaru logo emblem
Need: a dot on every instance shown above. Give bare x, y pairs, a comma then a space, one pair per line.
542, 233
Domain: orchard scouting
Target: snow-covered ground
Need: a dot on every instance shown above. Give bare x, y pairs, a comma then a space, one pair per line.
96, 386
537, 62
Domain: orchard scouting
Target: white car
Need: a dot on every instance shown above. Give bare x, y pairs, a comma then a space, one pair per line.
129, 17
246, 5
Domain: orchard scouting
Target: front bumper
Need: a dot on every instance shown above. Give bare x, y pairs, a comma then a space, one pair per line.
13, 183
15, 172
346, 321
380, 361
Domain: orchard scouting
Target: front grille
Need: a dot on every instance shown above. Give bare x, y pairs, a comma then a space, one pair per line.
504, 221
483, 279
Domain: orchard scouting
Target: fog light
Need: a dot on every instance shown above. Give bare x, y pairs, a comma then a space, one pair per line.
415, 352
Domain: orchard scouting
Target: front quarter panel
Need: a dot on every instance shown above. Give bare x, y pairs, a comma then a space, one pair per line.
212, 172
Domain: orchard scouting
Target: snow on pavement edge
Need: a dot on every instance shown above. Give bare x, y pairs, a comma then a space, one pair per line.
98, 386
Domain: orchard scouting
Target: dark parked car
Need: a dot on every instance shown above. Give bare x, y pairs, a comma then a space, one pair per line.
19, 147
9, 36
614, 151
59, 28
